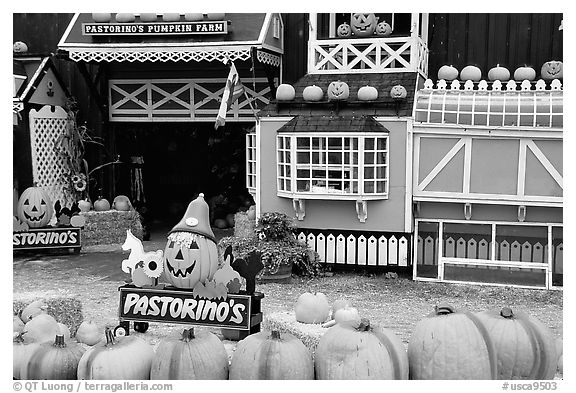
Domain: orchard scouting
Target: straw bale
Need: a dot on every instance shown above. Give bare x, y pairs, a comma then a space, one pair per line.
285, 321
109, 227
243, 226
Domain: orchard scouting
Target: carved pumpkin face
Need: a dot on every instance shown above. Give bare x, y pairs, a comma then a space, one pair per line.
363, 25
398, 92
35, 207
344, 30
338, 91
383, 29
552, 70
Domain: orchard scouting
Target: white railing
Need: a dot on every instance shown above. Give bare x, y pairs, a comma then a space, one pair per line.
367, 55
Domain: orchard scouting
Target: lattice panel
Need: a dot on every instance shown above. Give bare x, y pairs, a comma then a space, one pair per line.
158, 55
47, 167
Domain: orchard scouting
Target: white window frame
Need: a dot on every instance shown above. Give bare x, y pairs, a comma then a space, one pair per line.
251, 172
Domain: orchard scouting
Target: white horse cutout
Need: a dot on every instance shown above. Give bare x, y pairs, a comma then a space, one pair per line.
138, 258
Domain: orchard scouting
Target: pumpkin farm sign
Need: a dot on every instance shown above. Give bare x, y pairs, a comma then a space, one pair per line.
166, 28
183, 307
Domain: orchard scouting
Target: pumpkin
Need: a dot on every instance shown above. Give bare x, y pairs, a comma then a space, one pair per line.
383, 29
148, 17
171, 17
41, 328
365, 352
347, 316
338, 91
363, 25
312, 308
220, 223
367, 93
20, 353
199, 355
285, 92
471, 73
251, 213
552, 70
338, 304
344, 30
312, 93
18, 325
525, 73
451, 344
215, 16
125, 18
19, 47
448, 72
122, 203
88, 333
37, 307
102, 17
274, 355
126, 357
191, 255
101, 205
84, 205
53, 360
499, 73
193, 17
398, 92
525, 347
77, 221
64, 331
35, 207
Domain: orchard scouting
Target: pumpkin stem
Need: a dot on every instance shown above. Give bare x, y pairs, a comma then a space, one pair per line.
109, 336
188, 335
59, 341
506, 312
275, 335
444, 309
364, 325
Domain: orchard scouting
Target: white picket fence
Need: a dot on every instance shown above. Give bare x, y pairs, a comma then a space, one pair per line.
359, 249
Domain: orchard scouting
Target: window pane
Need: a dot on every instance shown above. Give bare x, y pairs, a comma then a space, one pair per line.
382, 158
494, 275
303, 158
303, 143
368, 173
335, 158
369, 144
381, 172
470, 241
369, 187
521, 243
303, 186
381, 187
369, 158
557, 256
382, 144
427, 252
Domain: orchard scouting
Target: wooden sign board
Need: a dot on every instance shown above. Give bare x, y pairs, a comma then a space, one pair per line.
180, 306
161, 28
42, 238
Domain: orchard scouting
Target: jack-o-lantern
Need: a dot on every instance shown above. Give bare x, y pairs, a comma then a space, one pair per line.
191, 255
35, 207
363, 25
383, 29
20, 47
552, 70
338, 91
398, 92
344, 30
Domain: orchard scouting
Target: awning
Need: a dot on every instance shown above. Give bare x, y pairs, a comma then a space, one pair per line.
183, 40
317, 124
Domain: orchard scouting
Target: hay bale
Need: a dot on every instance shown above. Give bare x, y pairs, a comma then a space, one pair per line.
286, 322
109, 227
65, 309
243, 226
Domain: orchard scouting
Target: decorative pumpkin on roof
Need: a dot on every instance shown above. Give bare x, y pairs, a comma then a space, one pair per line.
471, 73
552, 70
499, 73
363, 25
344, 30
338, 91
524, 73
367, 93
383, 29
398, 92
191, 255
448, 73
20, 47
35, 207
312, 93
285, 92
102, 17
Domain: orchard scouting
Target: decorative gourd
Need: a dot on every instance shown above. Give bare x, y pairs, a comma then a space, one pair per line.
41, 328
125, 18
398, 92
198, 355
365, 352
18, 325
101, 205
499, 73
338, 91
275, 355
127, 357
77, 221
312, 308
193, 17
37, 307
348, 317
448, 73
20, 353
525, 347
191, 255
524, 73
367, 93
285, 92
171, 17
552, 70
122, 203
344, 30
84, 205
88, 333
363, 25
471, 73
35, 207
383, 29
102, 17
53, 360
148, 17
312, 93
215, 16
451, 344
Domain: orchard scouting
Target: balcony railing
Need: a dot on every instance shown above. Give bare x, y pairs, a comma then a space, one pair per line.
368, 55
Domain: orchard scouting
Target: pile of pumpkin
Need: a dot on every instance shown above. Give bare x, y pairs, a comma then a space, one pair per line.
549, 71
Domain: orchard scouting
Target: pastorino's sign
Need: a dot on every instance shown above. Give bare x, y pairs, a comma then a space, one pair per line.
68, 237
176, 306
167, 28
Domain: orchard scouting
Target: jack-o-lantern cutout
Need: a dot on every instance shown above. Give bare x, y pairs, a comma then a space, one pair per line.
398, 92
35, 207
191, 255
363, 25
383, 29
338, 91
552, 70
344, 30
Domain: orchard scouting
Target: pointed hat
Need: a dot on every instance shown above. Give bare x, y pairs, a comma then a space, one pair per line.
196, 219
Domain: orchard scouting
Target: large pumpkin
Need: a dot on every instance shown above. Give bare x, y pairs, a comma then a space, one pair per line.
448, 72
35, 207
365, 352
41, 328
88, 333
451, 344
194, 356
367, 93
191, 255
285, 92
312, 308
471, 73
338, 91
126, 357
312, 93
53, 360
526, 348
363, 25
552, 70
266, 356
20, 353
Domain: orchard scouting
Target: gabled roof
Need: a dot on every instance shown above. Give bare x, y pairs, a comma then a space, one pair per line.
384, 105
28, 73
311, 123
